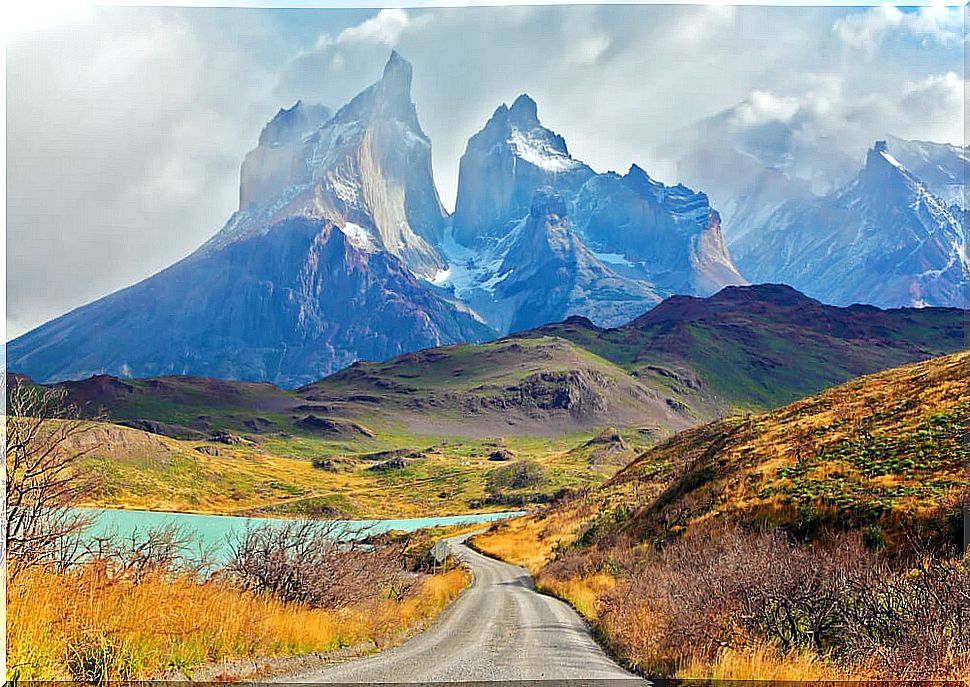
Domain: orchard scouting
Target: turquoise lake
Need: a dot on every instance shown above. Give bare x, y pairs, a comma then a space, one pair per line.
215, 530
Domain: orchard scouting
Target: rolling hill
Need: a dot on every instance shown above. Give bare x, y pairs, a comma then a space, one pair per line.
686, 361
884, 453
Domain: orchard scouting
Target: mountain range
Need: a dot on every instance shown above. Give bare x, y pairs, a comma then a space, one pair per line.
883, 239
341, 250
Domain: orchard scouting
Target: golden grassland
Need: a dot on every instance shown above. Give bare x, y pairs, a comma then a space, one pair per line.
882, 454
84, 624
531, 540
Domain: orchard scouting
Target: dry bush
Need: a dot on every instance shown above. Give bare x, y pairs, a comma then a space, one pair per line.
168, 550
315, 563
914, 624
686, 602
45, 478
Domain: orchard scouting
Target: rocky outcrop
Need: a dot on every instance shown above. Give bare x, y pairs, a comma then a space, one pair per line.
331, 427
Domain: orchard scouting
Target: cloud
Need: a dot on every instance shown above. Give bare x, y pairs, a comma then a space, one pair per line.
383, 29
126, 126
821, 133
762, 107
867, 30
123, 149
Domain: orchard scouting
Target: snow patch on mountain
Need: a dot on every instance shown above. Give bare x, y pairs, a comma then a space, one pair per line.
612, 258
536, 150
472, 270
359, 237
891, 160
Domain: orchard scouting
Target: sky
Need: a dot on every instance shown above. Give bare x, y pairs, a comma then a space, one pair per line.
126, 126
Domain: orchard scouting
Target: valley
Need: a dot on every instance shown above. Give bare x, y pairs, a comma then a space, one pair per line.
481, 427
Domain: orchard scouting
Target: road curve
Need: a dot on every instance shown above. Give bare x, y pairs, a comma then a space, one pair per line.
499, 629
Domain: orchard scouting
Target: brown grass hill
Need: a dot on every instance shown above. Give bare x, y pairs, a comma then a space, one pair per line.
883, 455
884, 452
816, 542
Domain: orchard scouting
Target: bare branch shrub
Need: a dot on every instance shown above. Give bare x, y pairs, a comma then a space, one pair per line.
318, 564
166, 550
914, 624
691, 598
45, 477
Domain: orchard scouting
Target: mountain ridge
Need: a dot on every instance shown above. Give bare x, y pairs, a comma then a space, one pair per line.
341, 250
883, 239
686, 361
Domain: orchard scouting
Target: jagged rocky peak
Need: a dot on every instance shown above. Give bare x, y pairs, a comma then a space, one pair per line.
275, 163
503, 165
396, 80
879, 156
881, 165
367, 166
638, 177
524, 112
387, 99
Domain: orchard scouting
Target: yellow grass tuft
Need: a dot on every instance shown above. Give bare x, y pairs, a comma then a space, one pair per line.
84, 624
583, 593
764, 662
531, 540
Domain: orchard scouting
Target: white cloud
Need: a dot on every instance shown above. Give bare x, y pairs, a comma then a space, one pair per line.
761, 107
867, 30
384, 29
126, 128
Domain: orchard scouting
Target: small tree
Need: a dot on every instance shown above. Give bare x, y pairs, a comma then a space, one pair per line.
45, 477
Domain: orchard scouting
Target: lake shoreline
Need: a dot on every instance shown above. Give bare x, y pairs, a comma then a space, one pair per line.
217, 532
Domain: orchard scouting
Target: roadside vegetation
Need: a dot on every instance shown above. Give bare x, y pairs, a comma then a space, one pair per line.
98, 609
821, 541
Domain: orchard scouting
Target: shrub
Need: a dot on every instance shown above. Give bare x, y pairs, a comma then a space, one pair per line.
687, 601
522, 474
314, 563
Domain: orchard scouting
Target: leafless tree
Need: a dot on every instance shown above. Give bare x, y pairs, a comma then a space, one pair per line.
318, 563
45, 477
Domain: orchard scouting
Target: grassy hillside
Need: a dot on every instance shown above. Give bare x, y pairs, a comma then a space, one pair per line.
423, 426
537, 386
686, 361
758, 347
866, 475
